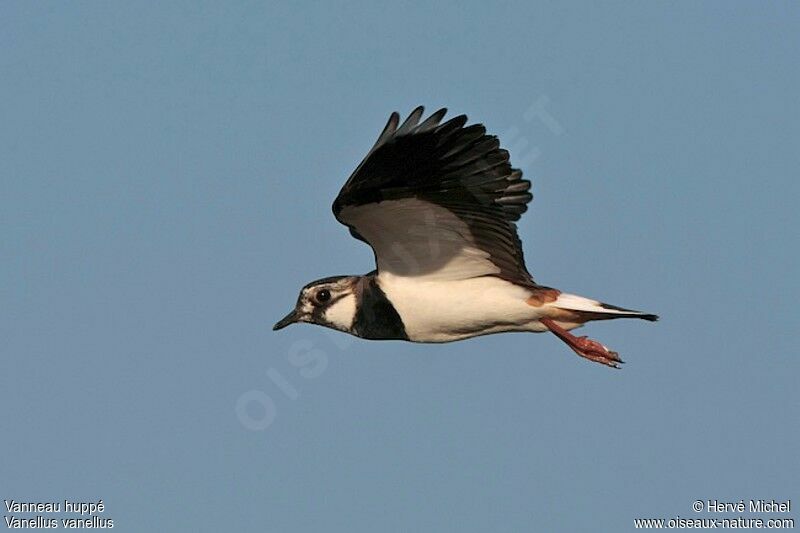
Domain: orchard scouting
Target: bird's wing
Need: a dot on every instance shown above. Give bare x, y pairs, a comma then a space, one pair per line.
438, 200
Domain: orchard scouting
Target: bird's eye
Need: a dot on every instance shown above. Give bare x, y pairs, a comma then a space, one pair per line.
322, 296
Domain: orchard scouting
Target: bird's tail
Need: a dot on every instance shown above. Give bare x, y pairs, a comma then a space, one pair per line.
580, 310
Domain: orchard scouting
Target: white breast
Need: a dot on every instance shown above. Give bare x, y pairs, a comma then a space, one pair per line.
448, 310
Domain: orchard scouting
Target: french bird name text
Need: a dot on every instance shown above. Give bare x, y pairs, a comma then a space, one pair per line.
13, 506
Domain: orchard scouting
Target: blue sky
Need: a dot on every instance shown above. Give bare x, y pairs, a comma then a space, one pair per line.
166, 174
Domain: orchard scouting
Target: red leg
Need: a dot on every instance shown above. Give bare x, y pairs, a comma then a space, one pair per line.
583, 346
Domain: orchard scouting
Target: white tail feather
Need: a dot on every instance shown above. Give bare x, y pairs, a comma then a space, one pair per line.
574, 302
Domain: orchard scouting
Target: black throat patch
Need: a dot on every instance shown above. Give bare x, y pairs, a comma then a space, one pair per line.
376, 317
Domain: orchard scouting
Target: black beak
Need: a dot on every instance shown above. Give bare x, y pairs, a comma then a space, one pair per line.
291, 318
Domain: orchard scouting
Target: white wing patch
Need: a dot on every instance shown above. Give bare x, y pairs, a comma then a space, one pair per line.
420, 239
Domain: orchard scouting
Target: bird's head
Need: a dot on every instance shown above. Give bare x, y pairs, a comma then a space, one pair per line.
329, 302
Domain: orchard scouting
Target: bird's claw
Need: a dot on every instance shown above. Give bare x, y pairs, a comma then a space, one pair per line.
599, 353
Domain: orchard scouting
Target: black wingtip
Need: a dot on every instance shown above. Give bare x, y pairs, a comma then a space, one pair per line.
651, 318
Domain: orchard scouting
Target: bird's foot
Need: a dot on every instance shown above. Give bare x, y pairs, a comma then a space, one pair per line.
594, 351
584, 346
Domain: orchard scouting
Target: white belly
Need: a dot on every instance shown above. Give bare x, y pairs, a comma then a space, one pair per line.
442, 311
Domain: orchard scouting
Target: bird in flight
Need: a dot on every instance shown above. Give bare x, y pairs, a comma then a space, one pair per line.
437, 202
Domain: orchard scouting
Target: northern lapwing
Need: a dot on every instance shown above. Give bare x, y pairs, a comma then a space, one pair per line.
437, 202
